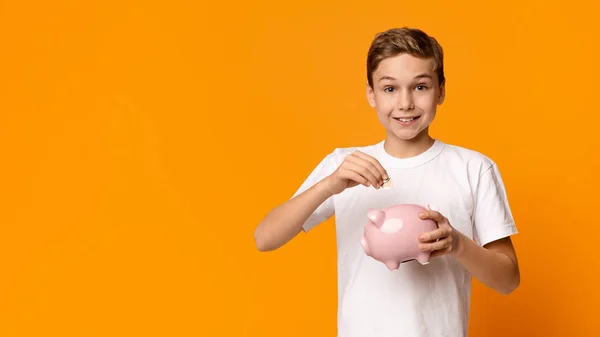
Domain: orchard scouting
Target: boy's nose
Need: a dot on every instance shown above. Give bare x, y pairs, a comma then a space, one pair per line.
405, 102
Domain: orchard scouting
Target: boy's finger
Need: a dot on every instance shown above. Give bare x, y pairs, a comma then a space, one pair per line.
433, 215
367, 166
375, 163
433, 235
358, 178
371, 167
440, 252
438, 245
364, 172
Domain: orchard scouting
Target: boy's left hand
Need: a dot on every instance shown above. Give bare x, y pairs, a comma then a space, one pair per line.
442, 241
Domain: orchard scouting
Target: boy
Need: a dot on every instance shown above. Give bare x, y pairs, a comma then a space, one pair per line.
462, 188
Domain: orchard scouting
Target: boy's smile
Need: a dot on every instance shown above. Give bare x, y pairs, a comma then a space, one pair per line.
405, 95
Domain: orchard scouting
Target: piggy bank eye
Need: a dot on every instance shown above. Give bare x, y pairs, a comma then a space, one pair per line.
392, 225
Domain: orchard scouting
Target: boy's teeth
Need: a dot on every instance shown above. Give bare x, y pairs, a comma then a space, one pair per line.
406, 119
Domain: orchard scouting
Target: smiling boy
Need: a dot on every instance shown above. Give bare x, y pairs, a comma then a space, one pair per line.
462, 187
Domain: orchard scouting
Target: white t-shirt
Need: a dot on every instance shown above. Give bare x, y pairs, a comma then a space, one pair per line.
415, 300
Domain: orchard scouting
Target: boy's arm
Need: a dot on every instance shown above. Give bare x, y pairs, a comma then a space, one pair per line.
313, 205
284, 222
494, 264
492, 259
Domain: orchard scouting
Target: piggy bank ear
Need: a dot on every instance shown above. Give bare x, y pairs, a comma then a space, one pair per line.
376, 216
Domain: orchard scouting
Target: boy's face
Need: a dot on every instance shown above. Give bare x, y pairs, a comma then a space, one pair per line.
405, 94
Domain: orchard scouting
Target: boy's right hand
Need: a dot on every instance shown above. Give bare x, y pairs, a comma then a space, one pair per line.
357, 168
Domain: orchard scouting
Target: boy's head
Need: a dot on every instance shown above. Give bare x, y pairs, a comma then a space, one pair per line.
405, 81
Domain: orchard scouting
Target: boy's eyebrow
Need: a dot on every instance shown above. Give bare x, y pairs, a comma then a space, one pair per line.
386, 77
423, 76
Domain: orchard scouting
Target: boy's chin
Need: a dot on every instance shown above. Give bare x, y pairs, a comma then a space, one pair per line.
408, 135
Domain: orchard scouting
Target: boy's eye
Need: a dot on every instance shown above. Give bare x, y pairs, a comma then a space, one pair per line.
421, 87
388, 89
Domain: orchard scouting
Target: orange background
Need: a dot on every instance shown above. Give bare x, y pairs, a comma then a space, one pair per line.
142, 142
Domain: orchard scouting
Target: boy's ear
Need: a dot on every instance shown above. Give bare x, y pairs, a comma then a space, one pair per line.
370, 95
442, 95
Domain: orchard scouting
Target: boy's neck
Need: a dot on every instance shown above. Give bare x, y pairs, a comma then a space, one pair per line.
401, 148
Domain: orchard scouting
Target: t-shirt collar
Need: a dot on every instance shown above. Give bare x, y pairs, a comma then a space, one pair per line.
389, 161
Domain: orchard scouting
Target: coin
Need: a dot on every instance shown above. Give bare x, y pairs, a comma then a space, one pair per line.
387, 183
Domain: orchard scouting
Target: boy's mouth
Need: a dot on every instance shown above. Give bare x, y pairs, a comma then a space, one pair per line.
406, 119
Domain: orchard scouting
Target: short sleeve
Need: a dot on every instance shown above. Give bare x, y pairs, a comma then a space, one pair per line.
326, 209
493, 219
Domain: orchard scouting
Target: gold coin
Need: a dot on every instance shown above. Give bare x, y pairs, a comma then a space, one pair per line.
387, 183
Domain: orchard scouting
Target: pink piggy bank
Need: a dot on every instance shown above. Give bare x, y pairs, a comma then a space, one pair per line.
391, 235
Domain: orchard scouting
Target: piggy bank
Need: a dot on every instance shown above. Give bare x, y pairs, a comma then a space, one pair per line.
391, 235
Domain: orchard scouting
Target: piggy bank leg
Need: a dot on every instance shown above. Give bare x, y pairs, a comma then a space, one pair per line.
365, 246
423, 258
392, 265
